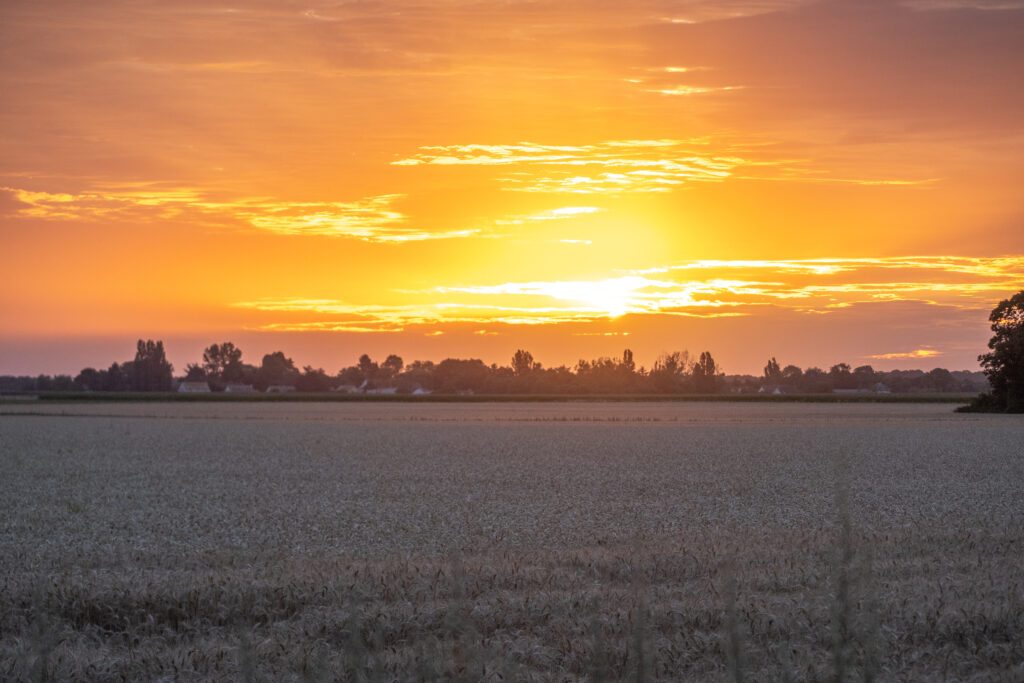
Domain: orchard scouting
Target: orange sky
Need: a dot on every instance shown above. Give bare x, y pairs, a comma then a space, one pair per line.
819, 181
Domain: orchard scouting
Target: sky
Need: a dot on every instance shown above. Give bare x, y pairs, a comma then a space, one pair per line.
817, 181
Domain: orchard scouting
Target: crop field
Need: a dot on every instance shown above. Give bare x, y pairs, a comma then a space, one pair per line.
497, 542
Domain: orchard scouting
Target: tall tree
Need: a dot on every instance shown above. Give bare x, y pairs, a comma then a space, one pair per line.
522, 362
223, 362
628, 364
706, 374
1004, 363
151, 371
772, 371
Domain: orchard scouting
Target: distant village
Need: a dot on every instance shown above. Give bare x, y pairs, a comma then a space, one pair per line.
222, 369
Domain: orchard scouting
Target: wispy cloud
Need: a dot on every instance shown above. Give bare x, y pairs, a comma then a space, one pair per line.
686, 90
907, 355
723, 288
370, 219
561, 213
615, 166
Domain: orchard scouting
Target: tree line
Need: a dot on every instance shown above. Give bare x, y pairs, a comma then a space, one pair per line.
223, 365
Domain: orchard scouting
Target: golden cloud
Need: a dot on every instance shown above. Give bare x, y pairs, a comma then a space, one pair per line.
371, 219
725, 289
615, 166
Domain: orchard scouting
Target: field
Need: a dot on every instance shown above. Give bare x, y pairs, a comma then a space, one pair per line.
526, 541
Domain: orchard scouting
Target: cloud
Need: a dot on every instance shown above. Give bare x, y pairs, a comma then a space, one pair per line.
686, 90
561, 213
696, 289
607, 167
907, 355
370, 219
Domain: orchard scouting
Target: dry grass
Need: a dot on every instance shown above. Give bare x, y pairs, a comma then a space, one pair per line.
528, 542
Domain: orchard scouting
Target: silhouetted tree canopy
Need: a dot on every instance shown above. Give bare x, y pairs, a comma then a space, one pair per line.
313, 380
522, 362
150, 370
393, 365
277, 369
671, 373
706, 374
223, 363
1004, 363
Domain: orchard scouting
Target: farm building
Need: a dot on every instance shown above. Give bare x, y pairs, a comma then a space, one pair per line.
239, 389
194, 387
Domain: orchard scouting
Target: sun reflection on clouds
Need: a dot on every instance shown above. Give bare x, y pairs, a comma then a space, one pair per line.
816, 286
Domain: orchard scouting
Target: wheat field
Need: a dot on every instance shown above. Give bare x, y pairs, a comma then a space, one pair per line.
533, 542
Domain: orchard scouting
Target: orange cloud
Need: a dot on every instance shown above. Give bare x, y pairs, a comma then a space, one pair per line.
907, 355
371, 219
815, 286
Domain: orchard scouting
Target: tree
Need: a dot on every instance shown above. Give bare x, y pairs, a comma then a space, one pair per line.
91, 379
628, 364
841, 376
351, 376
367, 367
194, 373
772, 371
792, 375
1004, 363
115, 378
453, 375
706, 374
522, 362
669, 370
313, 380
150, 369
277, 368
864, 377
223, 362
393, 364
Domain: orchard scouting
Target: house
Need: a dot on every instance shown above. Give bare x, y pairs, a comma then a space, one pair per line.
346, 389
239, 389
882, 388
382, 391
189, 386
280, 389
420, 391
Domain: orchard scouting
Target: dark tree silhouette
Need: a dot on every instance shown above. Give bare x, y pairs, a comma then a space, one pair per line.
393, 364
223, 362
706, 374
1004, 363
313, 379
522, 362
367, 367
91, 379
772, 371
628, 364
792, 375
277, 369
150, 369
194, 373
669, 371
